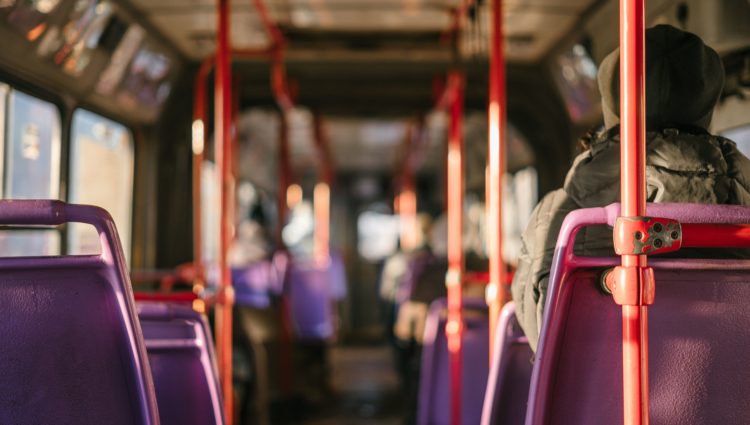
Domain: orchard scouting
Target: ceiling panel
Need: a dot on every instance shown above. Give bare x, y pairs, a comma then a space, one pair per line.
365, 20
532, 26
194, 33
531, 33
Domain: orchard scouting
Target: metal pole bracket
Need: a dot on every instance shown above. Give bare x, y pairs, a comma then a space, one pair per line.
646, 235
631, 285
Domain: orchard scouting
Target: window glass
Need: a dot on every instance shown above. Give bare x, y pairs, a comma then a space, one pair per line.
378, 234
101, 174
519, 199
741, 136
4, 90
210, 198
31, 161
25, 242
32, 150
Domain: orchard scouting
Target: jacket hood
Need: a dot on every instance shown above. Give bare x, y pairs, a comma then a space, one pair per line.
684, 79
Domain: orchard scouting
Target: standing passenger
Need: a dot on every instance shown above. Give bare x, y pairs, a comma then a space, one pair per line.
684, 162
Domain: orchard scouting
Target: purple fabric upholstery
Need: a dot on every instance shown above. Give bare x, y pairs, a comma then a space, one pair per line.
510, 373
183, 363
310, 300
72, 350
698, 334
337, 275
434, 385
313, 289
254, 284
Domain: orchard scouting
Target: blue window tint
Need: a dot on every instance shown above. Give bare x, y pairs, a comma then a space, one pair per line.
101, 174
741, 136
32, 149
32, 164
22, 243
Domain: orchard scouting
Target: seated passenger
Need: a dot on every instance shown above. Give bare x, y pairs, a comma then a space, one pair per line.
684, 162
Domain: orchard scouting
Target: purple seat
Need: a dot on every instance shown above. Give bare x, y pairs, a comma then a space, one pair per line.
183, 363
699, 333
312, 292
510, 373
434, 386
255, 283
72, 350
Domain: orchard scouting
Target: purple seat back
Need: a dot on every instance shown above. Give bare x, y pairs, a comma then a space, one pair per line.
255, 283
72, 348
312, 291
434, 386
698, 333
183, 363
510, 373
337, 276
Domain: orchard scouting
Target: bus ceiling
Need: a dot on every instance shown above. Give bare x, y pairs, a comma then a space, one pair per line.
345, 57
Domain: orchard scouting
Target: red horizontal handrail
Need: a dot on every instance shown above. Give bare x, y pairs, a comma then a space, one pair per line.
174, 297
715, 235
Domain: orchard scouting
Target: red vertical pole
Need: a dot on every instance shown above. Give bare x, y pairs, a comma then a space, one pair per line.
454, 278
496, 115
406, 198
633, 191
322, 195
408, 211
223, 158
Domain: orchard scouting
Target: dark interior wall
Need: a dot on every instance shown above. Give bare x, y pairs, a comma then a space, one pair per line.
536, 110
172, 138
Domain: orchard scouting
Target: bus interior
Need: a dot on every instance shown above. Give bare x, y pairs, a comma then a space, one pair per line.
274, 172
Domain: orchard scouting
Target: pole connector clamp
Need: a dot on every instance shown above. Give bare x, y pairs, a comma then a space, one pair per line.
453, 278
631, 285
225, 296
646, 235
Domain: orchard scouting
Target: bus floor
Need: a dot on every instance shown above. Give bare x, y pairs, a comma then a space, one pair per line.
364, 389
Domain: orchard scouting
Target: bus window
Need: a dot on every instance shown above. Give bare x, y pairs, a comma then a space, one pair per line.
741, 136
32, 166
4, 89
520, 198
378, 234
210, 197
101, 174
32, 150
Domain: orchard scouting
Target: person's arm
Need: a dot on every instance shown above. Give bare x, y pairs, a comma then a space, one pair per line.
529, 287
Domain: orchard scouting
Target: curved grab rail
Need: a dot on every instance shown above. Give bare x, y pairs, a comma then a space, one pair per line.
43, 212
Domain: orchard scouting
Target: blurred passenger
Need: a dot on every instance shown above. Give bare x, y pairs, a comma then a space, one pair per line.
257, 277
423, 283
684, 162
395, 269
